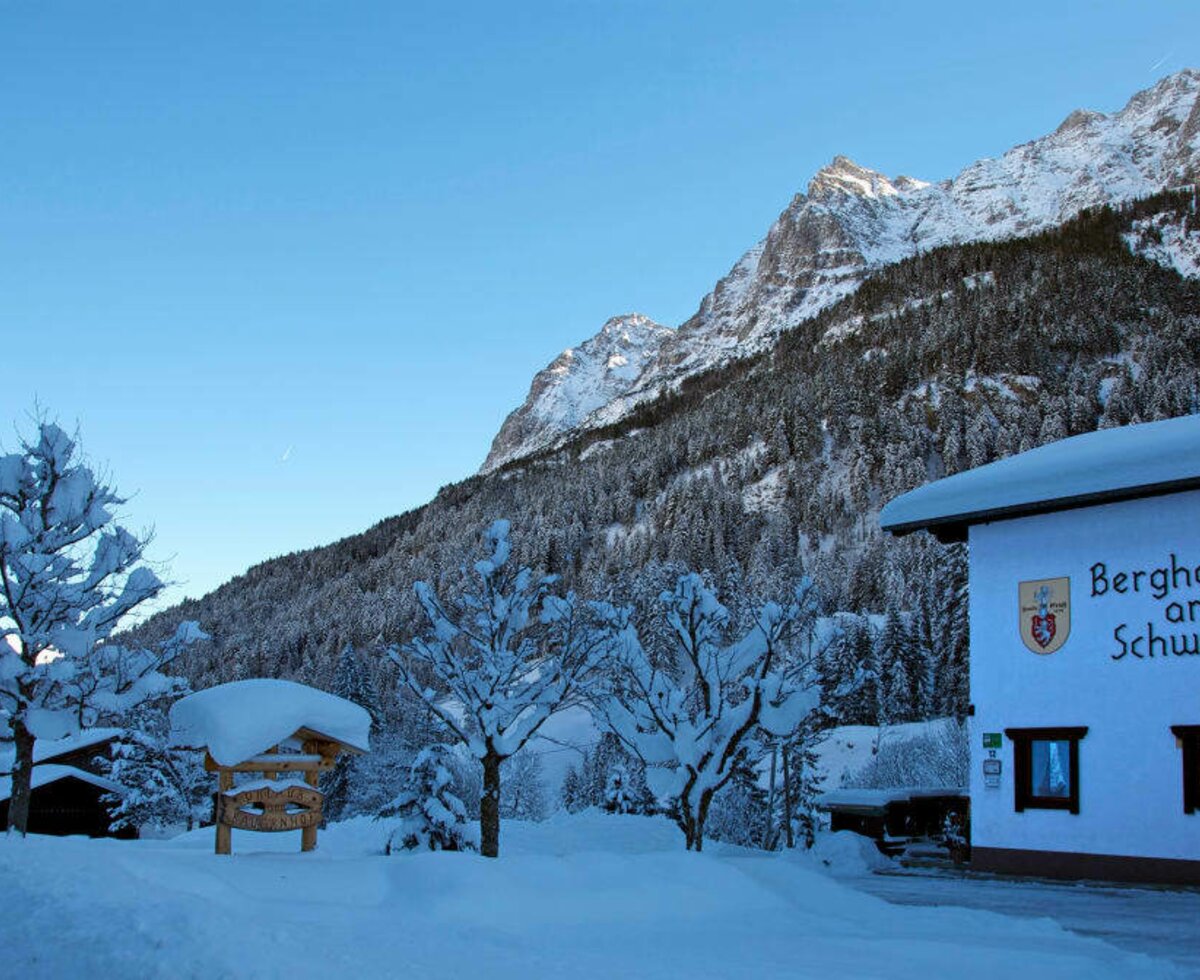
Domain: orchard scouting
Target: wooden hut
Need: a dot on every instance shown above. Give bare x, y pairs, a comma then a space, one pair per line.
68, 787
66, 801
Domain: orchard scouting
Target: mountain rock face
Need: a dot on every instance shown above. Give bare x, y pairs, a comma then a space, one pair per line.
578, 382
851, 221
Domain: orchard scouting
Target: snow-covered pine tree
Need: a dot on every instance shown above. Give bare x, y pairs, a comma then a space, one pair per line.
894, 656
607, 753
69, 575
740, 812
523, 796
850, 694
427, 813
571, 795
164, 785
953, 633
894, 701
378, 776
803, 781
350, 681
688, 723
505, 657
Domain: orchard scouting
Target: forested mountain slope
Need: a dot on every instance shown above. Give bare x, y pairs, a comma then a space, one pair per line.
775, 466
853, 220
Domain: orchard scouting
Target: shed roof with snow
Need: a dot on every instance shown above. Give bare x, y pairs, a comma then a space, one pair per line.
239, 720
1094, 468
50, 750
44, 775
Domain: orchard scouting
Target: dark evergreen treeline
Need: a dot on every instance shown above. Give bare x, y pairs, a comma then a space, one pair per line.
774, 467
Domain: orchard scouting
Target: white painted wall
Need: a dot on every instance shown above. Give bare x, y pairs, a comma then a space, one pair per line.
1131, 789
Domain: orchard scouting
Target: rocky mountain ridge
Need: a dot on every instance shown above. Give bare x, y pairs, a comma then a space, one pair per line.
850, 221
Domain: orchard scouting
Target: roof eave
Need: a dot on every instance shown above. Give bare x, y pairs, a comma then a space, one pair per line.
952, 528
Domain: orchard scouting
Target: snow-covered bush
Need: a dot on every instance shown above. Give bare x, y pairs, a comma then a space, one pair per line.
429, 817
618, 797
939, 755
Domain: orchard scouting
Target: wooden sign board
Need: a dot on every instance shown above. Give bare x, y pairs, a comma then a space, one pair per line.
291, 808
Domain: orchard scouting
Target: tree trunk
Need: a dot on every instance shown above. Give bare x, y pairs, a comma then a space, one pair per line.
701, 816
769, 841
689, 825
787, 798
22, 777
489, 807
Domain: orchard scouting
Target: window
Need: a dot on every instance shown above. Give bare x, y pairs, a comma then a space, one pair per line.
1046, 768
1189, 740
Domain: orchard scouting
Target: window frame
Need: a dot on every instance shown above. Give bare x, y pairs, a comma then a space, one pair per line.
1189, 741
1022, 740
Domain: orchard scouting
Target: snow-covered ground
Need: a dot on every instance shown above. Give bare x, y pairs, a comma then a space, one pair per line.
583, 896
1158, 921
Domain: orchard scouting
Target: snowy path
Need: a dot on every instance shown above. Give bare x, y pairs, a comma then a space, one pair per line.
588, 896
1160, 922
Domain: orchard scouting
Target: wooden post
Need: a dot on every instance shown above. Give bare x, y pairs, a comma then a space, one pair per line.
308, 836
224, 831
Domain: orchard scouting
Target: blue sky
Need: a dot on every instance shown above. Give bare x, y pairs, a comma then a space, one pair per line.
289, 265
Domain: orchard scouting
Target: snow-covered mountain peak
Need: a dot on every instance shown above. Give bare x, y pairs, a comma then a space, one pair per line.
844, 176
579, 381
853, 220
629, 328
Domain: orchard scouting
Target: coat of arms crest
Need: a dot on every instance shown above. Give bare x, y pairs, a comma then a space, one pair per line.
1045, 611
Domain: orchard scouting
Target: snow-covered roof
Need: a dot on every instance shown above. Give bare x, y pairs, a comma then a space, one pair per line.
47, 749
1097, 467
44, 775
242, 719
870, 799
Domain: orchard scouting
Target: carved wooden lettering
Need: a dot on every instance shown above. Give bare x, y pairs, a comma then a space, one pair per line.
292, 808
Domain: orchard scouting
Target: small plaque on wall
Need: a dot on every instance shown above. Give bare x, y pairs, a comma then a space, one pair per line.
992, 740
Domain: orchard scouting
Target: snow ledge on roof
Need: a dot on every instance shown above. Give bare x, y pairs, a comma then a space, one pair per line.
241, 719
1110, 463
46, 774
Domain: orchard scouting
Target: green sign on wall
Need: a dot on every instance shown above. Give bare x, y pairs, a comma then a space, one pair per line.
991, 740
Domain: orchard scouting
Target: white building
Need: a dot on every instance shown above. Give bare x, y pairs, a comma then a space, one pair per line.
1085, 651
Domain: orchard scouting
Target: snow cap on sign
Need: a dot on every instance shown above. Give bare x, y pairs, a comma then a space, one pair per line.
1097, 467
242, 719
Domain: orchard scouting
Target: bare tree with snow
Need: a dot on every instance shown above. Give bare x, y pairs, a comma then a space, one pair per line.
69, 574
504, 657
689, 719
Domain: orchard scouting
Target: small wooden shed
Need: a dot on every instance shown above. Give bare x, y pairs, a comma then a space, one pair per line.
895, 817
269, 728
68, 785
66, 801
